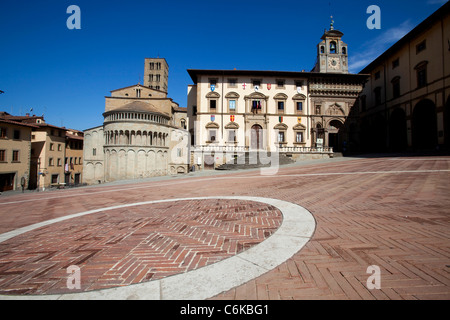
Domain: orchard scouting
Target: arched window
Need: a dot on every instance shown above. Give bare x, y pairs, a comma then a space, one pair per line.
333, 47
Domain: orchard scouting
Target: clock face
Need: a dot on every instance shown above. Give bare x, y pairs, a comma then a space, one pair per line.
333, 63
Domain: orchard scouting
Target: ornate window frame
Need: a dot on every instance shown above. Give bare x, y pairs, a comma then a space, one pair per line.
210, 127
212, 96
232, 96
280, 97
232, 127
299, 98
281, 128
299, 128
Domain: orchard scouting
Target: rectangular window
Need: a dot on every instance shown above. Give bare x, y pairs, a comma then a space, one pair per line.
59, 147
16, 134
232, 83
256, 83
298, 84
50, 162
15, 156
396, 88
421, 46
422, 77
280, 84
2, 155
232, 136
212, 105
299, 137
59, 162
281, 136
212, 82
212, 135
232, 105
52, 147
281, 106
395, 63
3, 133
94, 152
299, 106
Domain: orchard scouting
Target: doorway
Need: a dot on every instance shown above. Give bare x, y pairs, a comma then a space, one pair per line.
257, 138
424, 125
7, 182
335, 139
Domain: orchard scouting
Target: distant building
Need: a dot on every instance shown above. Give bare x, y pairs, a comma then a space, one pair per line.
156, 74
47, 156
73, 163
15, 153
301, 114
143, 135
405, 104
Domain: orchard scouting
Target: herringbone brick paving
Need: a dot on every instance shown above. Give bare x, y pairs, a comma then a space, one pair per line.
389, 212
128, 246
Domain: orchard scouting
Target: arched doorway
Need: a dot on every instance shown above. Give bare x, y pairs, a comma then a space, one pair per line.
397, 130
335, 135
257, 138
424, 125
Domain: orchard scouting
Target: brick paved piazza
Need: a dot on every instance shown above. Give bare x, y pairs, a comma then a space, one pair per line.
390, 212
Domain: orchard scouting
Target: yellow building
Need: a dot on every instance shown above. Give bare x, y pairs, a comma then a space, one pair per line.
73, 163
15, 152
406, 101
47, 156
299, 114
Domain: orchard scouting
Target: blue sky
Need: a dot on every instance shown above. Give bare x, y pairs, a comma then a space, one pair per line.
65, 74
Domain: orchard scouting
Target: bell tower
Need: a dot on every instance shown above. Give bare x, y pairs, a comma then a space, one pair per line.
332, 52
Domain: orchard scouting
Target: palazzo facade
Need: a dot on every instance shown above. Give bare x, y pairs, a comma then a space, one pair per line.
297, 113
405, 104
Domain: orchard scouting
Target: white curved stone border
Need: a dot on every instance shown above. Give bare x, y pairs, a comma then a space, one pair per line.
296, 230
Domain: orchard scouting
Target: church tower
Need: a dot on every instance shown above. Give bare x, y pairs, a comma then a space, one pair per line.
332, 53
156, 74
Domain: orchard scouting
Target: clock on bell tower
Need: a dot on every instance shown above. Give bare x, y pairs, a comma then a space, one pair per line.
332, 53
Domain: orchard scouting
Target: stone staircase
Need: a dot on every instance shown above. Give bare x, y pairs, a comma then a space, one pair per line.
252, 160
